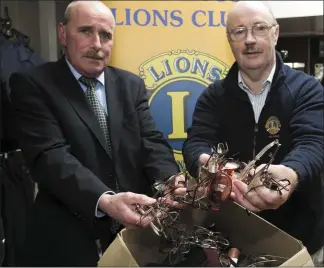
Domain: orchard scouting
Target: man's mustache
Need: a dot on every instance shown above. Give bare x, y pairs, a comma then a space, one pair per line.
252, 50
97, 55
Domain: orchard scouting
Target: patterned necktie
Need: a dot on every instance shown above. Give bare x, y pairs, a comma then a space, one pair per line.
99, 111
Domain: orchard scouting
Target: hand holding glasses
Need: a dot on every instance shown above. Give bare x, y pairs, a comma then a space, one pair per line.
212, 187
259, 188
166, 210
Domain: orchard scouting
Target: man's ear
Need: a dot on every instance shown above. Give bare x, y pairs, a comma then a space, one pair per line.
276, 34
61, 30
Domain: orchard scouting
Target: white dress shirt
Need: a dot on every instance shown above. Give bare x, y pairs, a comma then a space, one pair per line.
100, 87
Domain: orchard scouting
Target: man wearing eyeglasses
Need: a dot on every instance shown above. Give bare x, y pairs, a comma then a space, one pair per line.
261, 100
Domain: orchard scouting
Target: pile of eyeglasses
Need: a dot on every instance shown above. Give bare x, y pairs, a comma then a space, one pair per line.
212, 187
208, 191
180, 241
205, 247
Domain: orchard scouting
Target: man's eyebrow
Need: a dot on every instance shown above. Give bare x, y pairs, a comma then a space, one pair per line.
260, 22
242, 25
105, 30
85, 27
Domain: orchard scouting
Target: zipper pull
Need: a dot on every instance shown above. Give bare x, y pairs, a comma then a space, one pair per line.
256, 128
254, 138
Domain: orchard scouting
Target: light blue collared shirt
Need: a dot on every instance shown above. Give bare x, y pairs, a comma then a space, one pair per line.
100, 87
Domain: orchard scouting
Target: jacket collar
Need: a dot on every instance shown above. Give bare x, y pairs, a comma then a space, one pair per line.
231, 80
72, 90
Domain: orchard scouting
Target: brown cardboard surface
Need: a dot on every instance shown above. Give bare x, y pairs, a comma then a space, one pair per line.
139, 247
118, 254
251, 232
301, 258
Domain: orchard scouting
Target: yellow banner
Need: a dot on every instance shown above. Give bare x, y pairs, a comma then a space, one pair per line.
178, 48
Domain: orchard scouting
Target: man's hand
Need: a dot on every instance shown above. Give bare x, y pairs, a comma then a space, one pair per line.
180, 185
176, 187
262, 198
202, 191
203, 158
122, 206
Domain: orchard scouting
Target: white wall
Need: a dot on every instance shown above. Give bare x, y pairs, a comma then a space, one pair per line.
289, 9
48, 30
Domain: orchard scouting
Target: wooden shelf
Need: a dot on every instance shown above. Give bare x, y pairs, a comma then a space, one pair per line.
301, 26
302, 37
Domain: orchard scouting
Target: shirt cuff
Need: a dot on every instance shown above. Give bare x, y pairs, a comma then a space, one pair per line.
98, 213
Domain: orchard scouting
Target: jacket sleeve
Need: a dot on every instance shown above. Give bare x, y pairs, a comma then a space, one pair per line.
307, 132
159, 159
47, 152
204, 131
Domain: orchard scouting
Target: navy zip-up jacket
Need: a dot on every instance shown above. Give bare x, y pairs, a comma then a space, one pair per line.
293, 113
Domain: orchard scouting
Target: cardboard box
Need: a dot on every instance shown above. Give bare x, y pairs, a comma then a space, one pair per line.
134, 248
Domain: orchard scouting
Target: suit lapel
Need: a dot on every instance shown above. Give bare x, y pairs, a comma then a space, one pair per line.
114, 96
73, 92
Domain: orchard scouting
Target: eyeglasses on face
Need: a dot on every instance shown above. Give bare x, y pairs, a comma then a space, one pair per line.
258, 30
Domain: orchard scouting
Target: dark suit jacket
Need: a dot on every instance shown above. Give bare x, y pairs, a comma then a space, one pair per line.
66, 152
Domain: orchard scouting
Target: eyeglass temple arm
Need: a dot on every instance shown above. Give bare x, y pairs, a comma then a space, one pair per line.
249, 166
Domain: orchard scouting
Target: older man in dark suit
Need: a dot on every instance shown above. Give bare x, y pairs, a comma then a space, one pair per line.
88, 137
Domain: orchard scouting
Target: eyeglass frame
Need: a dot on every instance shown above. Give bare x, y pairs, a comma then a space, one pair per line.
268, 26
